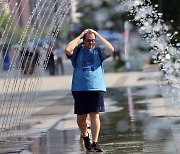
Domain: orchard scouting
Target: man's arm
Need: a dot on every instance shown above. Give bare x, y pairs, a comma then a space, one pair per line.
108, 47
71, 45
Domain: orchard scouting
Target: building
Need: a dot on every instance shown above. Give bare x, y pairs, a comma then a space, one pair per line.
22, 10
41, 12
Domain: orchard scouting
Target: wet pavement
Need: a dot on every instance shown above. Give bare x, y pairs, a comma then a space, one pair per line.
141, 116
128, 126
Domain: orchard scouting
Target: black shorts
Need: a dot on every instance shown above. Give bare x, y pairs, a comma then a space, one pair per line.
88, 101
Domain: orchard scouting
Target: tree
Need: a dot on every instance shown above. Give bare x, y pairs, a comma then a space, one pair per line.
6, 22
107, 14
100, 14
171, 13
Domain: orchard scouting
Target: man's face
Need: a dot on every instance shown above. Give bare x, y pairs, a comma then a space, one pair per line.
89, 40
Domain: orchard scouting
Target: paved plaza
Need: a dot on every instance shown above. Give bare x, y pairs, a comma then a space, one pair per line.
55, 130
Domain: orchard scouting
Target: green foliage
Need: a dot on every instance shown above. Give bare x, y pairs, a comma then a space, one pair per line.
109, 18
8, 32
27, 35
89, 10
6, 20
6, 25
119, 64
18, 34
171, 13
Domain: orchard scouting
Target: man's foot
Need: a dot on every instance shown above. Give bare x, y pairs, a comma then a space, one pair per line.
87, 142
96, 147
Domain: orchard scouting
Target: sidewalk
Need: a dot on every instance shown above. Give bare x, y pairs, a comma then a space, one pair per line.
56, 116
55, 130
55, 100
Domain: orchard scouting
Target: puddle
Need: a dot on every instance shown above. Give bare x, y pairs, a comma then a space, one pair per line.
120, 131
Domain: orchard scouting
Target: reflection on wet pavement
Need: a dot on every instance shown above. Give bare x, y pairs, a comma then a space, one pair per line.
121, 132
126, 127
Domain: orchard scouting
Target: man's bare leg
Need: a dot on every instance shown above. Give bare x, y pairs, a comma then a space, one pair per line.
82, 123
95, 125
95, 129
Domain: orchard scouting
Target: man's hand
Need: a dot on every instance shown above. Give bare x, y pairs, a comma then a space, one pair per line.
108, 47
71, 45
93, 31
83, 33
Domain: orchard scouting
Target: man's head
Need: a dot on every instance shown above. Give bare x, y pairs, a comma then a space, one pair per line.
89, 40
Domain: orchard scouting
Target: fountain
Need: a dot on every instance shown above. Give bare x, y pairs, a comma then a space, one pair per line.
19, 91
156, 33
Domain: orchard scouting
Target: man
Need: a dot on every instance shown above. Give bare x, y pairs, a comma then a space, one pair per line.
88, 84
58, 58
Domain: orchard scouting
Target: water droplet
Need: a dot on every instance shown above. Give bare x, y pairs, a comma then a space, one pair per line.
168, 56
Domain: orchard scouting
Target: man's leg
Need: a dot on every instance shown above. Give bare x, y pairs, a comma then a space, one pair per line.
95, 125
95, 129
82, 123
